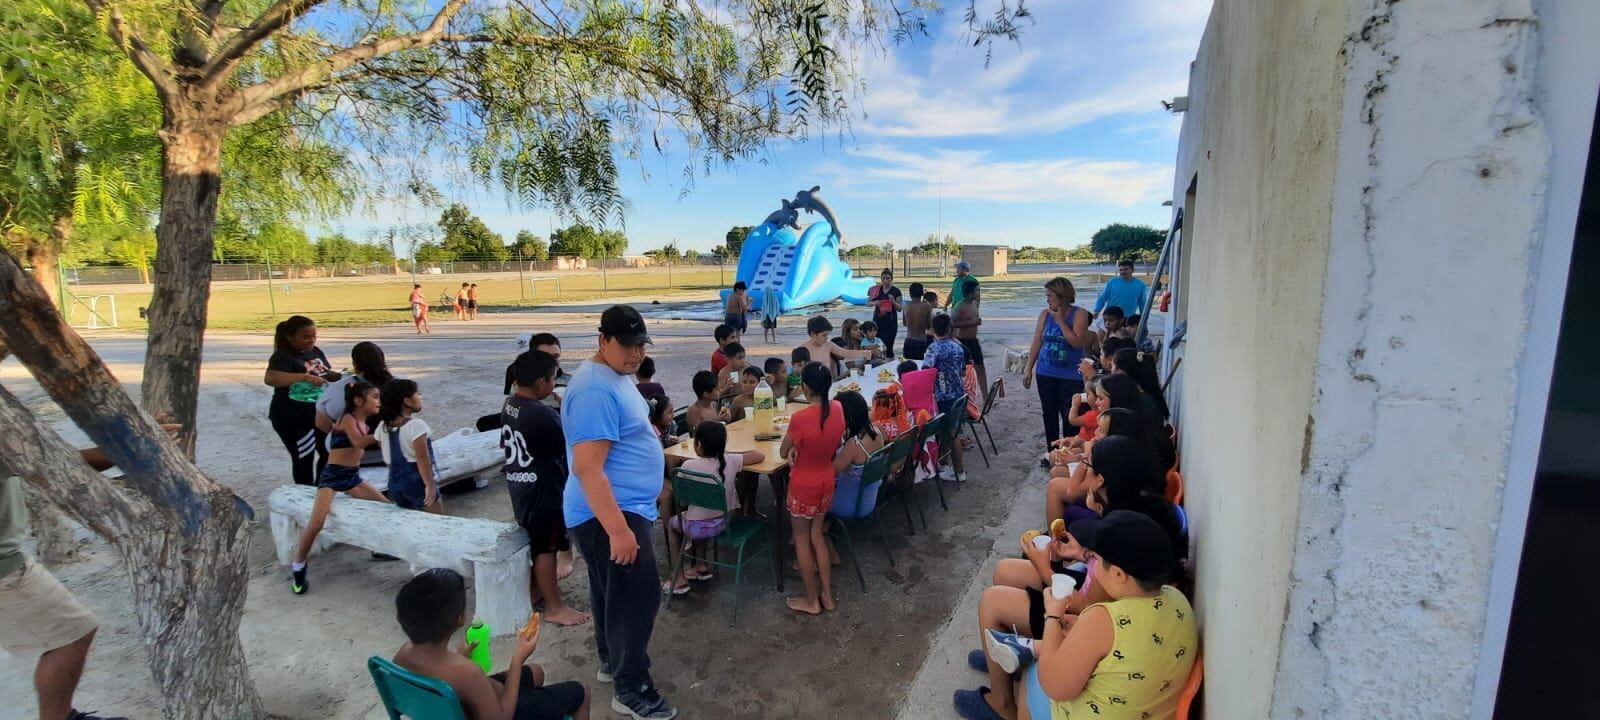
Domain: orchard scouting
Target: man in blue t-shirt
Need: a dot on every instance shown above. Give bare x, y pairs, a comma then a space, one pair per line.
1124, 291
616, 468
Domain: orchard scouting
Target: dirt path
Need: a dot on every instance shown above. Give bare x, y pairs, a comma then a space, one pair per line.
308, 653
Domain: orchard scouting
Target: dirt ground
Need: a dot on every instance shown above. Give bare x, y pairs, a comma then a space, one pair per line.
307, 654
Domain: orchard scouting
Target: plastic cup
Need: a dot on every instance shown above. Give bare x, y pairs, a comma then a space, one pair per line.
1062, 585
1041, 541
782, 403
749, 413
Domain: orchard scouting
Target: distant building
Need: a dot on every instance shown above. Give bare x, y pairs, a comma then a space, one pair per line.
986, 260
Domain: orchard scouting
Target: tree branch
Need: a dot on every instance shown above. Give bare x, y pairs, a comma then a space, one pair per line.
275, 18
318, 74
32, 450
75, 377
138, 51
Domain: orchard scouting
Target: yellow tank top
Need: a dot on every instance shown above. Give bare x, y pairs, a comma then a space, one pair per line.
1153, 650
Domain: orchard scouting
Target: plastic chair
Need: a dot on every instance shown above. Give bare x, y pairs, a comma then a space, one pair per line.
983, 419
407, 694
901, 484
950, 431
1191, 690
1174, 491
935, 431
708, 491
859, 501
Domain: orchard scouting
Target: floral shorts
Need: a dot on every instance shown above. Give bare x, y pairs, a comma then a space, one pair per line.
809, 501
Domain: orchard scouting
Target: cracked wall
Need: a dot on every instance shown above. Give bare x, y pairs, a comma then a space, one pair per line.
1371, 193
1436, 212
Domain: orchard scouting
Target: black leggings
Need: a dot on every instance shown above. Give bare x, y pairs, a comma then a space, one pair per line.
1055, 398
296, 425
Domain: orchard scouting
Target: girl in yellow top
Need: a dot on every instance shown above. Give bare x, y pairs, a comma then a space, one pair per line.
1125, 659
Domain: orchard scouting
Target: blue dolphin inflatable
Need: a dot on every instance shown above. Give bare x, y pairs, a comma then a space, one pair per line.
801, 268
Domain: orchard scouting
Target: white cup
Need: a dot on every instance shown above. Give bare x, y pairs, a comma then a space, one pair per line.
1062, 585
782, 403
749, 413
1041, 541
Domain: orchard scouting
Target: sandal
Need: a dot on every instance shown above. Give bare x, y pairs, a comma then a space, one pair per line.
668, 588
698, 576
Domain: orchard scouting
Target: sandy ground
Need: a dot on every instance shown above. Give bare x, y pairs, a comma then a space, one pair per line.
307, 654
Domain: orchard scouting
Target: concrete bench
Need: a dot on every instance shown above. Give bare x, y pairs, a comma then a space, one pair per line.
494, 554
458, 456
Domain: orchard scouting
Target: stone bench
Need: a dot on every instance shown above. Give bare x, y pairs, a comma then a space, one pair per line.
494, 554
457, 456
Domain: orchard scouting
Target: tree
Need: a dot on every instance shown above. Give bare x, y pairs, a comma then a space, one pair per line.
734, 240
1117, 240
468, 238
865, 251
583, 241
937, 243
529, 246
551, 93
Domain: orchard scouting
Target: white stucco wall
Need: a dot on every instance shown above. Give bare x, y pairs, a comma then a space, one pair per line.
1259, 134
1370, 309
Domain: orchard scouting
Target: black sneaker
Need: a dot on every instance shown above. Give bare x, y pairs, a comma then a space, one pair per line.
647, 705
297, 581
75, 715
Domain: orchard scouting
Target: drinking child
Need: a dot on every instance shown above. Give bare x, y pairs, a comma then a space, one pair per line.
431, 608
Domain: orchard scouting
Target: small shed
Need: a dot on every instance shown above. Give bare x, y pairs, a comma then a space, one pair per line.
986, 260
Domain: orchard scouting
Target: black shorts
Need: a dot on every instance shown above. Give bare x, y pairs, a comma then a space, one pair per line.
974, 351
769, 322
737, 321
915, 349
547, 531
339, 478
545, 702
472, 304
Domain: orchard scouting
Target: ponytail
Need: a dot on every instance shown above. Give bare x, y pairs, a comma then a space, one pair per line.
817, 378
1141, 366
711, 437
352, 390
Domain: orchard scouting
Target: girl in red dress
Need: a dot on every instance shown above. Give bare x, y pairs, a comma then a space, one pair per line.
814, 437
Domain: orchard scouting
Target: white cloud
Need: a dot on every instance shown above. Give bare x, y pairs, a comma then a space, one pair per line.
971, 175
1082, 61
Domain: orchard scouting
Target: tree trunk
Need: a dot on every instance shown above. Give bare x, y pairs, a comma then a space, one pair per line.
44, 256
190, 179
183, 538
53, 537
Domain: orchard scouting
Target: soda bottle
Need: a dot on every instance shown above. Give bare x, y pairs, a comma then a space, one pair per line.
763, 407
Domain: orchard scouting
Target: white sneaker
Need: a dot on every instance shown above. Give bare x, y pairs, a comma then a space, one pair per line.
602, 676
961, 477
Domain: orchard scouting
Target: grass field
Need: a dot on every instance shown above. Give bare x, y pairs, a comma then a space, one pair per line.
251, 305
360, 301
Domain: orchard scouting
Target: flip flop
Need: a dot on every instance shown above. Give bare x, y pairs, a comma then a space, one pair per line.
668, 587
698, 577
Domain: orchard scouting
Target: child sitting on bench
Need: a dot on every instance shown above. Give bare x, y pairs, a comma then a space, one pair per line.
431, 608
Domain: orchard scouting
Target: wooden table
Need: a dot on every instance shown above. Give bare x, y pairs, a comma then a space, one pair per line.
742, 438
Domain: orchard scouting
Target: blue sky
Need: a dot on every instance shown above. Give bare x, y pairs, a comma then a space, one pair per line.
1057, 136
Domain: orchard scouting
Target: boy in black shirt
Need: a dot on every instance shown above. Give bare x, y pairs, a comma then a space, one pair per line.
536, 475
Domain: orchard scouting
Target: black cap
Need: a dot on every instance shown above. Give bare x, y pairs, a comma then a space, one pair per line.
623, 324
1129, 540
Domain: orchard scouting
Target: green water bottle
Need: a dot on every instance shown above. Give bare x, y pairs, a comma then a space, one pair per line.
478, 638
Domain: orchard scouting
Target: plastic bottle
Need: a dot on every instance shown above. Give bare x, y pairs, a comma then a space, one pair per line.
763, 407
478, 632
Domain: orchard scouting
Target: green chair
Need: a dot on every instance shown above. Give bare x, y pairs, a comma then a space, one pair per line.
706, 490
859, 501
950, 433
680, 421
407, 694
902, 482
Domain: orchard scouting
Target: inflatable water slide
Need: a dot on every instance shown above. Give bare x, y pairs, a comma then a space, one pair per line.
800, 265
